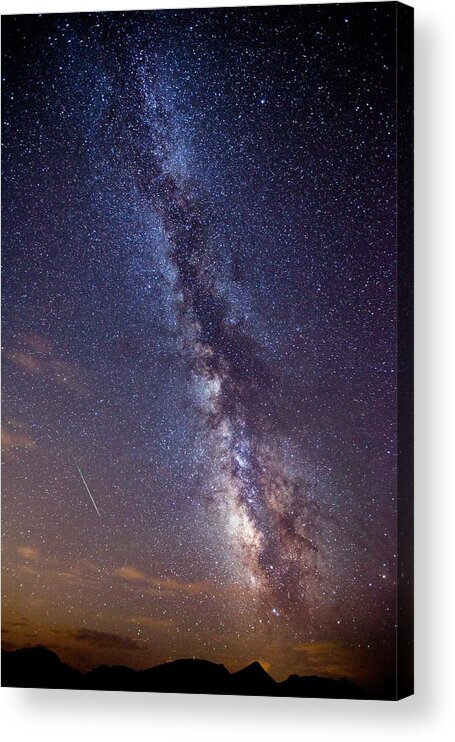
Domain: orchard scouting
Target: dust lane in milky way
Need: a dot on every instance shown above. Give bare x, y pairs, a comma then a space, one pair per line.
199, 305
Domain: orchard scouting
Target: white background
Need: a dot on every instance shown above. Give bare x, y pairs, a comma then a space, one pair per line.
71, 715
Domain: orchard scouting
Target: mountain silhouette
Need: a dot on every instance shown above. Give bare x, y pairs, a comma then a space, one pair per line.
253, 676
39, 667
186, 676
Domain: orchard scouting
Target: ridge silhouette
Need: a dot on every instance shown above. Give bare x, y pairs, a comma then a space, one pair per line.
39, 667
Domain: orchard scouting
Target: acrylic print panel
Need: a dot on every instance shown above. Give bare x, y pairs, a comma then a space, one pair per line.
207, 379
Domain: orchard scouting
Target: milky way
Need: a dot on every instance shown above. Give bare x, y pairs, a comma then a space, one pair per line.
199, 308
263, 509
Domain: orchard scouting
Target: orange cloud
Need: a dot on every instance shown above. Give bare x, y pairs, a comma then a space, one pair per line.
28, 552
39, 358
13, 439
24, 360
161, 586
36, 342
152, 623
328, 658
130, 573
169, 587
104, 639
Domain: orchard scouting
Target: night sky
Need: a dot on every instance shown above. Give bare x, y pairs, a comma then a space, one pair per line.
199, 337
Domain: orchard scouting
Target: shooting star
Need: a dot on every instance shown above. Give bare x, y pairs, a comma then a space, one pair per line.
86, 487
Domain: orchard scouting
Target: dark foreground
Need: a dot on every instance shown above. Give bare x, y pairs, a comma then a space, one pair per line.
38, 667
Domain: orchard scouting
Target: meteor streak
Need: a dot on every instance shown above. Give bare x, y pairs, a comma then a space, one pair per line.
86, 487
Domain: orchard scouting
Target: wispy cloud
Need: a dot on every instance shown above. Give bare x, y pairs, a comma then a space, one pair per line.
13, 439
130, 573
104, 639
36, 356
327, 658
28, 552
163, 624
163, 586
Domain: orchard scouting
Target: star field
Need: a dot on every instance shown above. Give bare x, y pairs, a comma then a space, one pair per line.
199, 337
